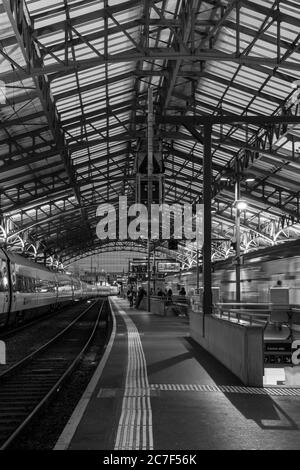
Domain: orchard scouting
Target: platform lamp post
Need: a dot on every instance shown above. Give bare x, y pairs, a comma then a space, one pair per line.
207, 198
238, 238
239, 205
198, 270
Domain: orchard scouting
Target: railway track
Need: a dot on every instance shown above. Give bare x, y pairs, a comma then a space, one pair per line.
29, 384
9, 332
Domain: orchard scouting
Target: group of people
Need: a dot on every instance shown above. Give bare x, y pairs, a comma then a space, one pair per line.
135, 297
168, 293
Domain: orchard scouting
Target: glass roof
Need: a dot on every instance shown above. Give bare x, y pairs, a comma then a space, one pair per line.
73, 108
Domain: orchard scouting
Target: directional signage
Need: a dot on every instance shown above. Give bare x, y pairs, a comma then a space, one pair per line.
278, 353
138, 267
168, 267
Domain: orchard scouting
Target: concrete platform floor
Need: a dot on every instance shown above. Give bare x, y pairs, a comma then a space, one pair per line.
194, 402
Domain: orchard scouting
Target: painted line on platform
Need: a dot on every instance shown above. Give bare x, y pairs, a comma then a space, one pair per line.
66, 437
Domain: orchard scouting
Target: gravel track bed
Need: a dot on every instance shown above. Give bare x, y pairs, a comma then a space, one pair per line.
26, 341
44, 430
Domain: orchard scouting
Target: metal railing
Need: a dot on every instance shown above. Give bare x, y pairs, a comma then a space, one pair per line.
244, 313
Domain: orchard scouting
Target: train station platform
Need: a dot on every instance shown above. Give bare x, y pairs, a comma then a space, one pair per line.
156, 389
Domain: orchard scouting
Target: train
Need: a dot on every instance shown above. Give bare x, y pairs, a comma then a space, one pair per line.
260, 270
29, 289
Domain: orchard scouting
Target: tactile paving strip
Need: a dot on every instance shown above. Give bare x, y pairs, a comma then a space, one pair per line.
226, 389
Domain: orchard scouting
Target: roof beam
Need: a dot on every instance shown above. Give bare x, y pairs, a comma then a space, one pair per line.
29, 203
150, 54
192, 121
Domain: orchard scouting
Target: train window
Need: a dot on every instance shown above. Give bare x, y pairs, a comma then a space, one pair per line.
19, 283
24, 284
31, 286
76, 284
51, 286
3, 277
45, 285
13, 278
64, 285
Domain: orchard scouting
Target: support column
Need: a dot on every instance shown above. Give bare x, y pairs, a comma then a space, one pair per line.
150, 172
198, 272
207, 193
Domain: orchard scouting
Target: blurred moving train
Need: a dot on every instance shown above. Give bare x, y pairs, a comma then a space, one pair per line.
260, 270
28, 289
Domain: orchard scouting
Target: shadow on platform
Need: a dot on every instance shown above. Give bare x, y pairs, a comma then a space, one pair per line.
262, 409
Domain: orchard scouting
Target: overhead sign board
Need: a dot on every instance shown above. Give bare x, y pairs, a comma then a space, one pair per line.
168, 267
138, 268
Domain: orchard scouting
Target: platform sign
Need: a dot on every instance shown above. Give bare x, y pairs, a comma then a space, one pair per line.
138, 268
168, 267
278, 353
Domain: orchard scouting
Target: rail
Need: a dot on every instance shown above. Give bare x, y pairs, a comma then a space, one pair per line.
8, 332
37, 377
261, 313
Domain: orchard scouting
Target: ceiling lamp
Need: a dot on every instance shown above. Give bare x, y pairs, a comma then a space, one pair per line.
240, 205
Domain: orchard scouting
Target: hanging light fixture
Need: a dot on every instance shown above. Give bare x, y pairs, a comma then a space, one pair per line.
240, 204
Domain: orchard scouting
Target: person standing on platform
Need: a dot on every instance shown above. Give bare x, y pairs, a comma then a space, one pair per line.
134, 294
130, 296
183, 311
182, 291
160, 293
169, 297
140, 296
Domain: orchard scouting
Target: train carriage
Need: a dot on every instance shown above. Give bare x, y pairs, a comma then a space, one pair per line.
260, 270
28, 289
32, 286
64, 288
5, 298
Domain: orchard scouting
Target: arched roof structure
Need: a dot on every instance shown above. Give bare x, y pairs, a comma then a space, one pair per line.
74, 80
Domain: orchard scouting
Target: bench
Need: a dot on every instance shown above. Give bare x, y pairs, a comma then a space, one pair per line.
179, 305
